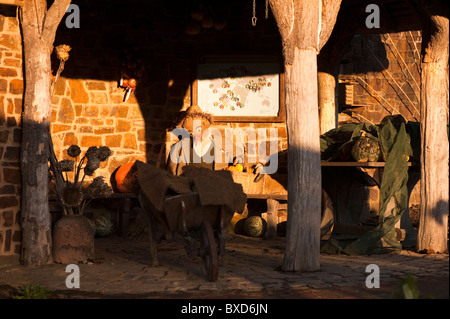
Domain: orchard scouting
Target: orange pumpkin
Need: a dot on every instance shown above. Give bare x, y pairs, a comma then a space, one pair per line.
126, 178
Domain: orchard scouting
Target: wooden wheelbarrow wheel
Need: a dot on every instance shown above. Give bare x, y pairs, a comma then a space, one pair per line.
208, 251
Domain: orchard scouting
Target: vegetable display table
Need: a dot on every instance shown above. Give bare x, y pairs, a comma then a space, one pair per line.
337, 179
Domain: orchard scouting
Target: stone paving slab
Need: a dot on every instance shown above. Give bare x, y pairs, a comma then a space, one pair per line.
249, 269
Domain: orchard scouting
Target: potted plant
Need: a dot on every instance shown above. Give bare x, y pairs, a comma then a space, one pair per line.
73, 234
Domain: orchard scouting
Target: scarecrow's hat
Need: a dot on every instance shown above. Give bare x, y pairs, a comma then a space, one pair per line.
195, 113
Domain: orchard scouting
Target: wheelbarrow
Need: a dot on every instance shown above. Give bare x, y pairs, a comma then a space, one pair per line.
182, 217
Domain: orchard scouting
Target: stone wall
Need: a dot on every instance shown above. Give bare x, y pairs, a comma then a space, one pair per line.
11, 89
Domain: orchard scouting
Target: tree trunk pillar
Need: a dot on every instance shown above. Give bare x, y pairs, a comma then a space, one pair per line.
39, 24
434, 157
36, 222
305, 27
304, 193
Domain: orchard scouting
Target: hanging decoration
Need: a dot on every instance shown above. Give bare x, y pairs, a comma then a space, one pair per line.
130, 71
254, 12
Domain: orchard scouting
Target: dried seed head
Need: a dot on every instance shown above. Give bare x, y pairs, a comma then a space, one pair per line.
92, 164
65, 165
92, 152
99, 189
62, 52
103, 153
74, 151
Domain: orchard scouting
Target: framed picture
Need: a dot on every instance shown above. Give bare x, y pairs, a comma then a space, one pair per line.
240, 89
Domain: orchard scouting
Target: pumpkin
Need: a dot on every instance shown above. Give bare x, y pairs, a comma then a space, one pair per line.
255, 226
366, 150
125, 178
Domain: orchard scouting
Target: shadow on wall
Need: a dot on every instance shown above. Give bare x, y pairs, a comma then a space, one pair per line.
169, 56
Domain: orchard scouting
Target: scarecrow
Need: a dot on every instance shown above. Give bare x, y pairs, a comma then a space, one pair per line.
196, 146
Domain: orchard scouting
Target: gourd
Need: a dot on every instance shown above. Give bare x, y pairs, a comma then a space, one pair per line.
366, 149
255, 226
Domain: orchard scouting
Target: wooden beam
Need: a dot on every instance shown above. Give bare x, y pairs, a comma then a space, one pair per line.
12, 2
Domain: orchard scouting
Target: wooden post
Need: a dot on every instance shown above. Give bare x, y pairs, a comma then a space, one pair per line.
328, 111
38, 30
305, 26
434, 159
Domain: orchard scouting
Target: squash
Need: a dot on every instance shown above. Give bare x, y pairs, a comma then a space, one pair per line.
255, 226
103, 226
366, 149
125, 178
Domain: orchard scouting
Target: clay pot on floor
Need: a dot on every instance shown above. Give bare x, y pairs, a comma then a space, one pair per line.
73, 240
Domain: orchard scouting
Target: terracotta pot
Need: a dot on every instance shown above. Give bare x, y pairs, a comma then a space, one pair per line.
73, 240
